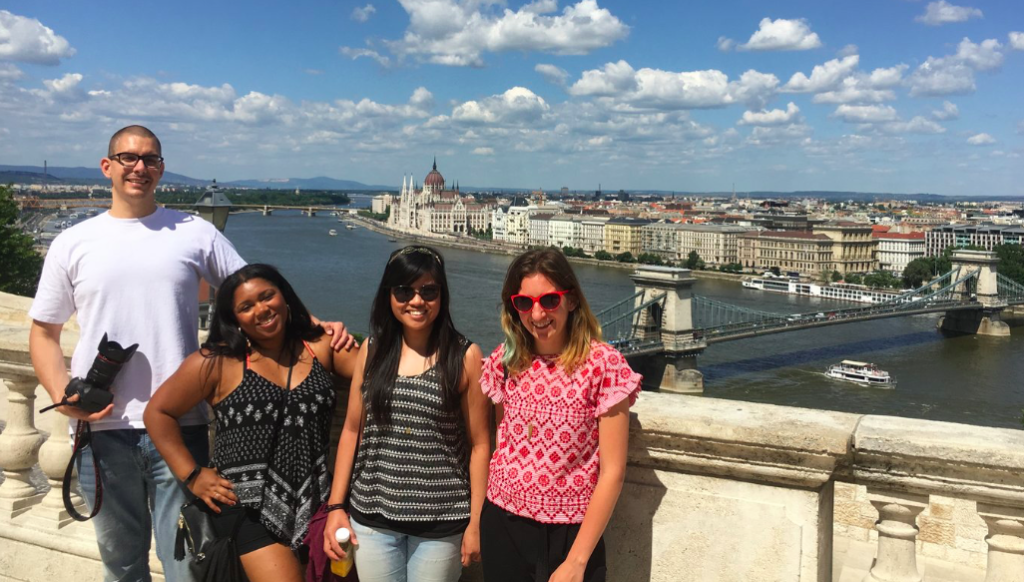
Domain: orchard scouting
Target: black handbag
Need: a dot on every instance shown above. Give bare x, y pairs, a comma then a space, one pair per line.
213, 558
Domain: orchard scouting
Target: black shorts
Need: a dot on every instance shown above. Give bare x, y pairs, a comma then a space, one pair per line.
519, 549
250, 534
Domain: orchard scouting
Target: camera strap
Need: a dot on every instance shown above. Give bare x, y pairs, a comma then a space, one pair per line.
83, 438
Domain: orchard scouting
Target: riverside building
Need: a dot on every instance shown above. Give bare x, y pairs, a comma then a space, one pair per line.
897, 249
845, 247
436, 209
715, 244
986, 236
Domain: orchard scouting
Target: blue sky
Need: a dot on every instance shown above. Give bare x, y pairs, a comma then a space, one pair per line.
869, 95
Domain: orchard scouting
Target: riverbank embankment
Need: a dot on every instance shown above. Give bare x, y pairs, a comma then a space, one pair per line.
499, 248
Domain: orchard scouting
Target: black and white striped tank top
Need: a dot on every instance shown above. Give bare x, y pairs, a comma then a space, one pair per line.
412, 475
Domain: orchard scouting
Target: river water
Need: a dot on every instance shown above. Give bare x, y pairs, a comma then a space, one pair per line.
969, 379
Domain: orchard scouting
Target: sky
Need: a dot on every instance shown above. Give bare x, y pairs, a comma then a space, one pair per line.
897, 96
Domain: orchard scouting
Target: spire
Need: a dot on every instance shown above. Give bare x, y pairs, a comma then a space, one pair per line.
435, 162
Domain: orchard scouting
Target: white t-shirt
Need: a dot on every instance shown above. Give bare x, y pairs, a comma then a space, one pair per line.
137, 280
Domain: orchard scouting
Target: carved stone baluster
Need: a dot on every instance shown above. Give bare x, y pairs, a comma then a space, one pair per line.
1005, 542
53, 460
19, 448
896, 560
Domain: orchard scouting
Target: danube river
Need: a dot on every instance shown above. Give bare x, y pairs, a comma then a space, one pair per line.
968, 379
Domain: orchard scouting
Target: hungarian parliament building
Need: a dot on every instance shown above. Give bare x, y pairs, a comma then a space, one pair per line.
437, 209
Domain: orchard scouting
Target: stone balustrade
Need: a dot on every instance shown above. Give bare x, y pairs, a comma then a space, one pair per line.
716, 490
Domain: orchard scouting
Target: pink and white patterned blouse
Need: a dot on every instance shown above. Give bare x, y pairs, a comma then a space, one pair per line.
546, 463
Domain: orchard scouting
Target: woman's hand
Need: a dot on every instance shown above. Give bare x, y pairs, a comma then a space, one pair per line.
568, 572
212, 488
336, 520
471, 545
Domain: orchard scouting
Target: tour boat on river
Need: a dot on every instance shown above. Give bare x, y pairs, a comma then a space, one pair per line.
332, 232
861, 373
837, 291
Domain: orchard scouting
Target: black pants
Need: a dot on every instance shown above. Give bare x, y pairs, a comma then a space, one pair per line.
519, 549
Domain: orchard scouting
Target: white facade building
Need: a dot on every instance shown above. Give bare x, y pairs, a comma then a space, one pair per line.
897, 250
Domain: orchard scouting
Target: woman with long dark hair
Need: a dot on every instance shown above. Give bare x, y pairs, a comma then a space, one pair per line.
265, 370
412, 459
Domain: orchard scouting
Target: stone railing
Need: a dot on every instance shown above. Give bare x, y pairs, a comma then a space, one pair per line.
716, 491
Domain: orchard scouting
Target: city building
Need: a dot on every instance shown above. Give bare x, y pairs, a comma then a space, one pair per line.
986, 236
436, 209
896, 250
791, 251
715, 244
592, 233
623, 235
853, 248
565, 230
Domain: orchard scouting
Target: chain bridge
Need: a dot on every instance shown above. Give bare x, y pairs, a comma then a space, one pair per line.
663, 326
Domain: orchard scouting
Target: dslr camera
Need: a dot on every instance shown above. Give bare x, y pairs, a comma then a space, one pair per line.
94, 390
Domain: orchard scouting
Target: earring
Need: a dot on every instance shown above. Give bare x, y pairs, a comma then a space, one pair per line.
248, 344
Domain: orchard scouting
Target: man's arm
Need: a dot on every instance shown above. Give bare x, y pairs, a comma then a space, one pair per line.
48, 362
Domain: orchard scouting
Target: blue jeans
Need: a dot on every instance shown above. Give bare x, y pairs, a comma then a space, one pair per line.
141, 499
387, 556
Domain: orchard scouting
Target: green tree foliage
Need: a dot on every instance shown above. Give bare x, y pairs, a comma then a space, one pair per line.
694, 262
626, 257
883, 280
650, 259
20, 264
854, 279
1011, 261
919, 271
603, 255
732, 268
836, 276
375, 215
574, 252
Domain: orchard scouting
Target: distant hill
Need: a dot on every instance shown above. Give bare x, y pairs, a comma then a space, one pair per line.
79, 175
93, 176
318, 183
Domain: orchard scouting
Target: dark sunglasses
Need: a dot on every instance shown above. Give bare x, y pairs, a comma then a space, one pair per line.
548, 301
405, 293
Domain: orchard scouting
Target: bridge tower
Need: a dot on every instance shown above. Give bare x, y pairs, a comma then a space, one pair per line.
674, 368
267, 210
986, 320
310, 212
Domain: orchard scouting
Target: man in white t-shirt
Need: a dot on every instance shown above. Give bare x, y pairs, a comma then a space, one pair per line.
132, 273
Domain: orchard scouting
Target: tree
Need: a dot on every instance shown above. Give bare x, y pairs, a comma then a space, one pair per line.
732, 268
836, 276
854, 279
694, 262
626, 257
20, 264
1011, 261
918, 271
650, 259
603, 255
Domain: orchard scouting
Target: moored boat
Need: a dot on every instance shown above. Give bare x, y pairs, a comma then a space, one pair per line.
863, 373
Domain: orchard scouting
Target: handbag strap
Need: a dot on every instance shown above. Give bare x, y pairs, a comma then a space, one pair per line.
83, 438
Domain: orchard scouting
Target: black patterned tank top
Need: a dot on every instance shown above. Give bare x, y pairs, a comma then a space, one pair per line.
277, 464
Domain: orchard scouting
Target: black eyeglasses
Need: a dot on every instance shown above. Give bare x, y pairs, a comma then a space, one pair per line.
548, 301
129, 160
405, 293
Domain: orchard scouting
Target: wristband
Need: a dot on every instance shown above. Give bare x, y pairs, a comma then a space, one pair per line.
334, 507
193, 474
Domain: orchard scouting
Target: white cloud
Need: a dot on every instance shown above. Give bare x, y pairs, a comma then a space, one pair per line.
942, 12
916, 125
823, 77
866, 113
66, 84
26, 40
773, 117
363, 14
355, 53
483, 151
954, 74
782, 35
981, 57
658, 89
771, 135
10, 72
725, 44
1017, 41
552, 74
981, 139
850, 49
448, 32
949, 111
517, 105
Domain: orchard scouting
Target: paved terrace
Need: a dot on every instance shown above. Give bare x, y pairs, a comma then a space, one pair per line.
717, 491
